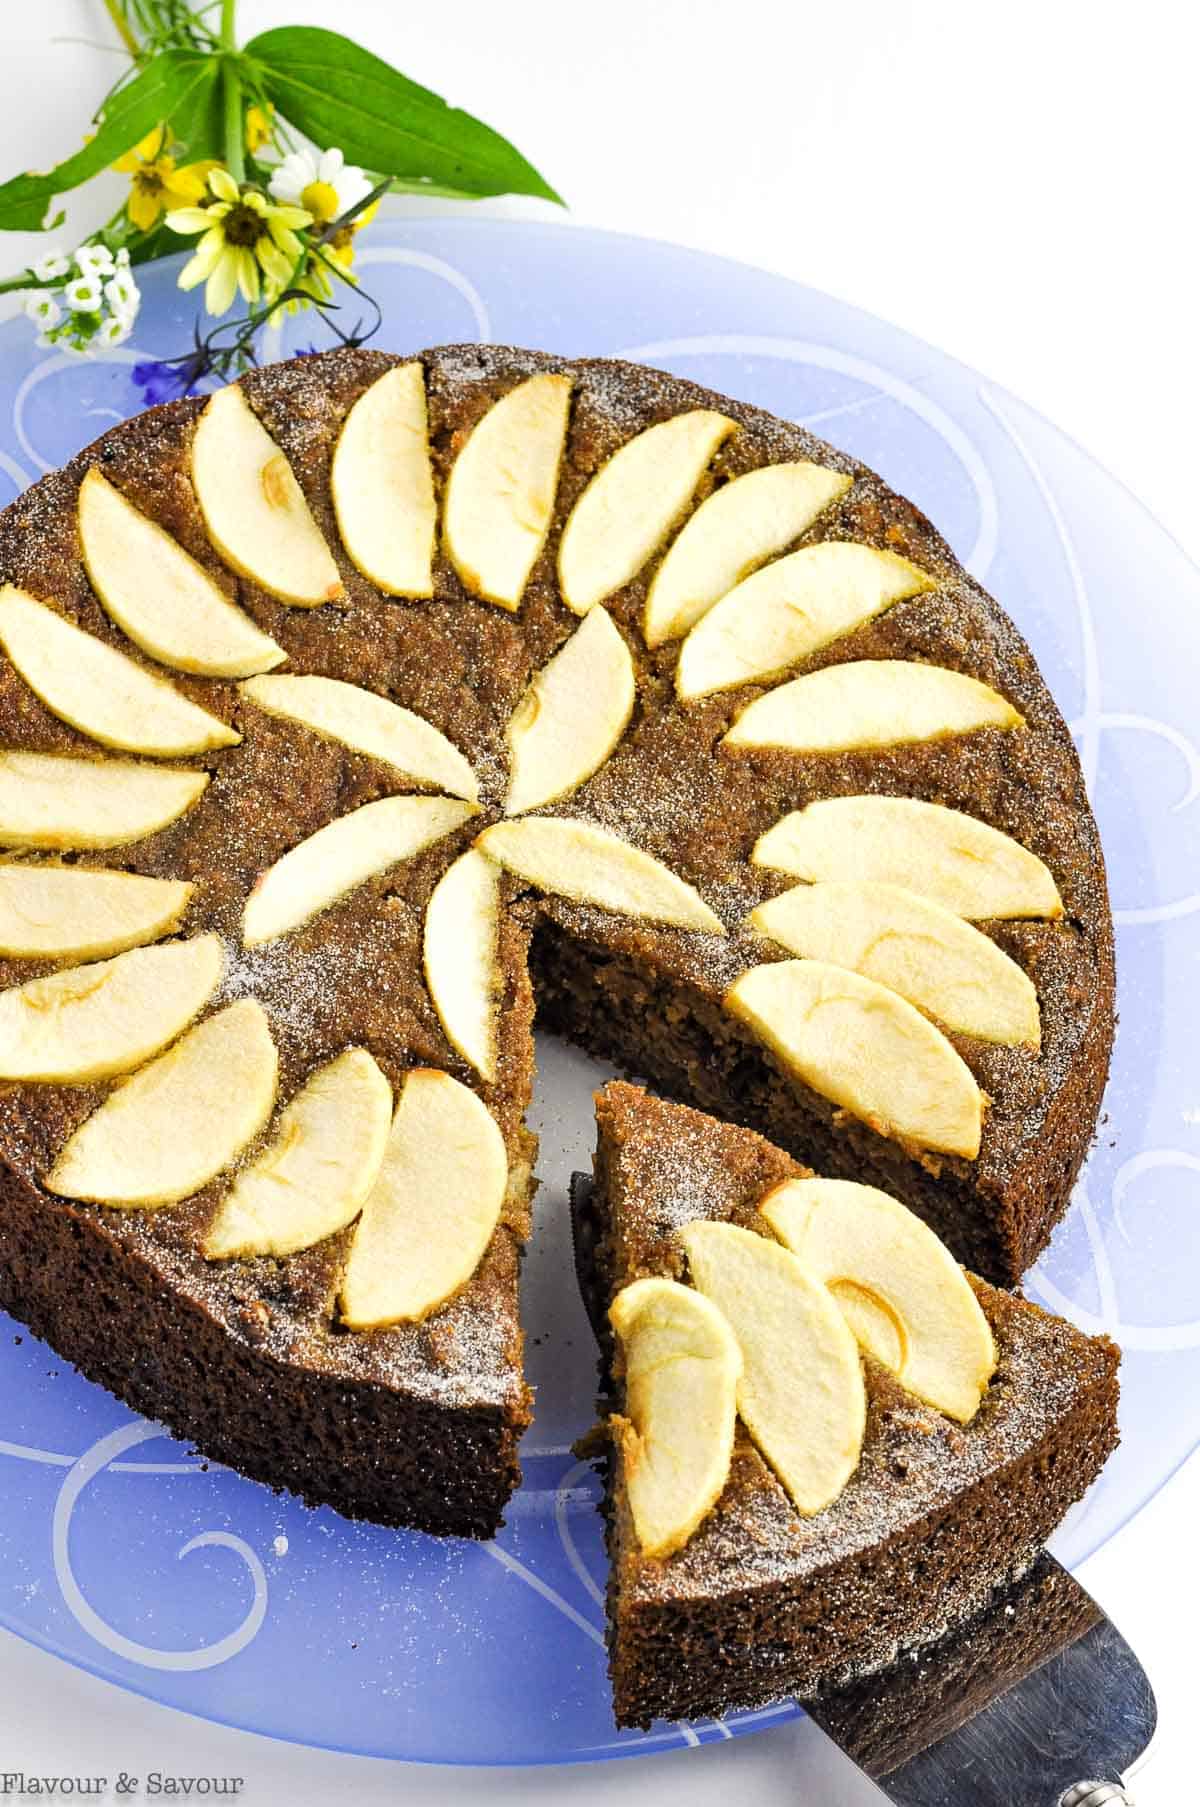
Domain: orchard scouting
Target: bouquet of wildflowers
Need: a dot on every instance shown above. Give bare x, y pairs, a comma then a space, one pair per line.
265, 161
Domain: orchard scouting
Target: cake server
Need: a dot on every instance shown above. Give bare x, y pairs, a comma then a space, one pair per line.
1036, 1701
1050, 1708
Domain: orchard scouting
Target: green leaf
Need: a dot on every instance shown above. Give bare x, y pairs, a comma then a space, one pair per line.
336, 93
197, 119
178, 85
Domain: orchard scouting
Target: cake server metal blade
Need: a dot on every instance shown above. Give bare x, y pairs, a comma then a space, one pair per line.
1039, 1703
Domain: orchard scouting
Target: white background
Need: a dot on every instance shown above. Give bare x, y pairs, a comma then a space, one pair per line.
1016, 183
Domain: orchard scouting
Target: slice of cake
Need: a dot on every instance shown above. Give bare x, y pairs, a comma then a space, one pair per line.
826, 1444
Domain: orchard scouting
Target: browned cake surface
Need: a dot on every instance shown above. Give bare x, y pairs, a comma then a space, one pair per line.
648, 996
762, 1603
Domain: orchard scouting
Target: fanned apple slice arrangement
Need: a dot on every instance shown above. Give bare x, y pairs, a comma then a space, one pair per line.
770, 1329
883, 958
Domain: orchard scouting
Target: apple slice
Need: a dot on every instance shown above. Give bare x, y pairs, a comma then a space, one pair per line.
784, 614
368, 723
177, 1123
46, 801
253, 507
951, 858
903, 1294
862, 1046
98, 690
738, 528
501, 490
343, 855
50, 802
801, 1395
158, 595
461, 928
572, 715
90, 1022
632, 503
576, 859
382, 484
56, 912
933, 958
682, 1366
433, 1209
870, 703
316, 1175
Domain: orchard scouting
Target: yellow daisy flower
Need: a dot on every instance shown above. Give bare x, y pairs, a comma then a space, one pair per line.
249, 243
260, 123
156, 184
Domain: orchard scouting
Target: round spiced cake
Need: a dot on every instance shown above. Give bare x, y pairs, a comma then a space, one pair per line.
356, 712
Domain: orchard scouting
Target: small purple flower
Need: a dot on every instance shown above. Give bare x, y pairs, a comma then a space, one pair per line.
162, 379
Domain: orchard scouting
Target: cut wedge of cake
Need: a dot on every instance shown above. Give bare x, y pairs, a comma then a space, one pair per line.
414, 691
769, 1590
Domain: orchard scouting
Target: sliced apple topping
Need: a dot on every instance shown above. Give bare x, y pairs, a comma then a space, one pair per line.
903, 1294
951, 858
56, 912
737, 529
158, 595
180, 1121
316, 1175
253, 507
572, 715
55, 803
368, 723
933, 958
632, 503
587, 864
343, 855
501, 490
98, 690
382, 483
461, 929
801, 1395
866, 1049
49, 802
433, 1209
784, 614
870, 703
682, 1366
90, 1022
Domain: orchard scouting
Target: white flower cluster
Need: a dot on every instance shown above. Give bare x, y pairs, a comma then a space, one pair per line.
96, 304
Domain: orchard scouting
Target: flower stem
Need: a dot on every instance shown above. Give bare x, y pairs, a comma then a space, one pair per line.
121, 26
231, 83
